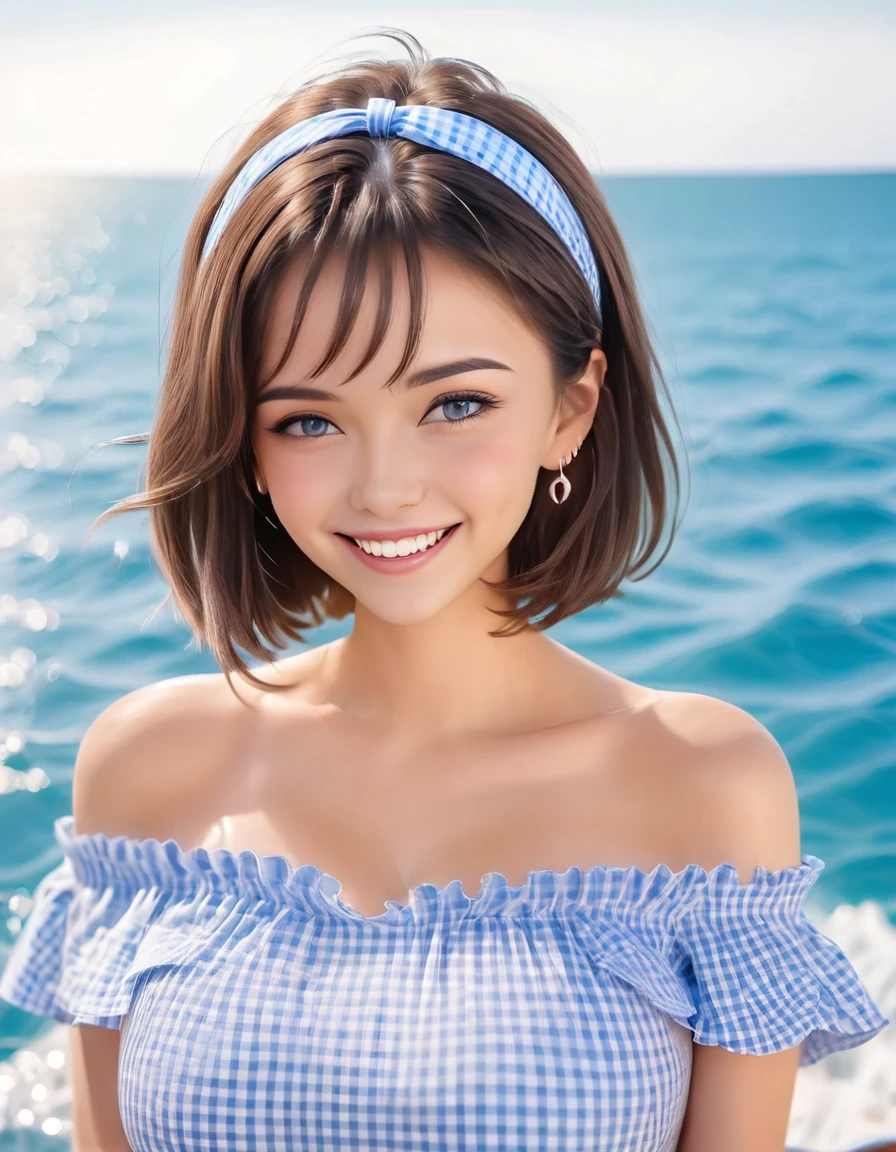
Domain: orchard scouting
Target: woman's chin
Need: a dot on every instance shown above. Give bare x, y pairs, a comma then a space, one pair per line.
403, 609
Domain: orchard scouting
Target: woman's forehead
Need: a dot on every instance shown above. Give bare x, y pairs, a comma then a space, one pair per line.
443, 276
458, 308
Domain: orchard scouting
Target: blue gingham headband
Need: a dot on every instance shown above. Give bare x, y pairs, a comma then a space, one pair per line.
453, 132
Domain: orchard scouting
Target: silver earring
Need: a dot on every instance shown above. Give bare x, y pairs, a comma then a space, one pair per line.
562, 480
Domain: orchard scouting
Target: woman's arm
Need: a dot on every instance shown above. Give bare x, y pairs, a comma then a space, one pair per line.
103, 769
147, 767
744, 810
96, 1120
738, 1103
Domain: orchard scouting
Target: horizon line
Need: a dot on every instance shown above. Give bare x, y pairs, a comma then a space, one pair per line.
886, 169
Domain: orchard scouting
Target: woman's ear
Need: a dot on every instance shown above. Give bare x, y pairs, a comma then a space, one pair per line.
576, 411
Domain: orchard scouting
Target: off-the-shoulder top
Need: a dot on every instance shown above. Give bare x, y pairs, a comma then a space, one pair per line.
265, 1013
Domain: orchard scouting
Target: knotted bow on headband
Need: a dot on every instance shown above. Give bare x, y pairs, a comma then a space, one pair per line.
454, 132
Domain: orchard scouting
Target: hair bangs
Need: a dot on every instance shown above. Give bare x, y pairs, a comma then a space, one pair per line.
375, 247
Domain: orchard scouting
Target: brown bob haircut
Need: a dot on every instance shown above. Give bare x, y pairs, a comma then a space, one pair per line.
231, 570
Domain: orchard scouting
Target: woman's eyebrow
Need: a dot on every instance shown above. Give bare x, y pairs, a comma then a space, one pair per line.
415, 380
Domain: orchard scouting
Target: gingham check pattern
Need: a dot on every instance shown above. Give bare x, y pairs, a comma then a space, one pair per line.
264, 1013
439, 128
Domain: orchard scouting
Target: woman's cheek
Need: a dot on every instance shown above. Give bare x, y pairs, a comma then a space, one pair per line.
303, 499
310, 473
494, 471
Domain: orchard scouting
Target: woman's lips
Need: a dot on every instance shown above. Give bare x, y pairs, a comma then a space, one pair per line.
396, 564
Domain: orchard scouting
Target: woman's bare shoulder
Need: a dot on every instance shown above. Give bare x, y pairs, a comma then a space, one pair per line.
718, 774
154, 762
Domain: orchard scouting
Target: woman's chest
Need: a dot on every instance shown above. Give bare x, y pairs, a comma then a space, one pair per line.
384, 823
500, 1033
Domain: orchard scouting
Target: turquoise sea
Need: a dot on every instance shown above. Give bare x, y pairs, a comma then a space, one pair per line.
772, 300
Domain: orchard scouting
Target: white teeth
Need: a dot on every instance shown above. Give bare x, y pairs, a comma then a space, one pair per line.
407, 546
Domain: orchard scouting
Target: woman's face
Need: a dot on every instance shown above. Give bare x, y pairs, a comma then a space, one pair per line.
356, 460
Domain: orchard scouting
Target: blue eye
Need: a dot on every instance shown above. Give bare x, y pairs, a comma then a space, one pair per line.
313, 426
447, 405
306, 420
456, 402
290, 421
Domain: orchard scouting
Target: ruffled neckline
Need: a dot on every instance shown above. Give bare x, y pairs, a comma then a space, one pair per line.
132, 864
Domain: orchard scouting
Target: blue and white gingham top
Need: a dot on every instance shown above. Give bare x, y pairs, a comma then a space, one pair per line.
264, 1013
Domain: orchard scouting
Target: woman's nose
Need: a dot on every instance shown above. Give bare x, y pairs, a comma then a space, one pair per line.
387, 475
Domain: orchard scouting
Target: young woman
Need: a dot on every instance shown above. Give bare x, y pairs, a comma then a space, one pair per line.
441, 884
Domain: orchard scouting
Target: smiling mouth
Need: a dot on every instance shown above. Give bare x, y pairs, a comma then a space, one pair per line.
416, 552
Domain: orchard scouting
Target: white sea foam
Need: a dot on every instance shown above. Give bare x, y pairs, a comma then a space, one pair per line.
849, 1097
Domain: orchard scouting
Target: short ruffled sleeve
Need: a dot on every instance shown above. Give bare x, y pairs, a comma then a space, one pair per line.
97, 921
762, 977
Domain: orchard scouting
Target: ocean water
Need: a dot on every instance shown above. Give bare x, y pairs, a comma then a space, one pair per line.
772, 301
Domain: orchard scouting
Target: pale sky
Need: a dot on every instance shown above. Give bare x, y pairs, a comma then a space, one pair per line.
642, 86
